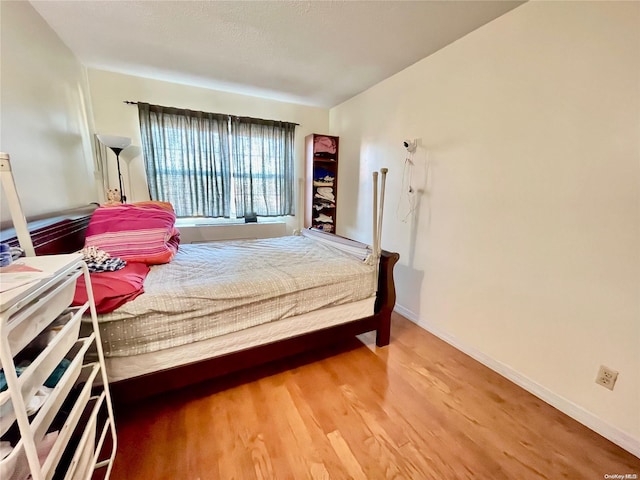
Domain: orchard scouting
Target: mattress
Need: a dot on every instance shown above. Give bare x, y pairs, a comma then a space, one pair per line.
214, 289
121, 368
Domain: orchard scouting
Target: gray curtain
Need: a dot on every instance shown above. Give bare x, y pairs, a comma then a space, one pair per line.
263, 166
186, 157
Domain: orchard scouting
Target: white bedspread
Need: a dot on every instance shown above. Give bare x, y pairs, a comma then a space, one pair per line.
218, 288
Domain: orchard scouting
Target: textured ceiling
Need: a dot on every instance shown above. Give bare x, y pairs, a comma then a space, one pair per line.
311, 52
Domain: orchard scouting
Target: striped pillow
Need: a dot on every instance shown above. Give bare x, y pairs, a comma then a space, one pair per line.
142, 232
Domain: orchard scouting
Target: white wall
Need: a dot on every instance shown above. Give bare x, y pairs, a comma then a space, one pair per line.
524, 249
44, 121
112, 116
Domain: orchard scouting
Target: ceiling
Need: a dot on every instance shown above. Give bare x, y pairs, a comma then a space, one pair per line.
318, 53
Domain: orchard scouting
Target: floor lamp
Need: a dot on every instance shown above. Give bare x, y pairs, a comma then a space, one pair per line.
117, 144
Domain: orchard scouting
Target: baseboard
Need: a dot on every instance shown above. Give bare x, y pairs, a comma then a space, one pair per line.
586, 418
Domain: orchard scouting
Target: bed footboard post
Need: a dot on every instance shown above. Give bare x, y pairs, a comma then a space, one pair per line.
386, 300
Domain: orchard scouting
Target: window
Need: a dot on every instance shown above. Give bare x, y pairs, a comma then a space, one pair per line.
214, 165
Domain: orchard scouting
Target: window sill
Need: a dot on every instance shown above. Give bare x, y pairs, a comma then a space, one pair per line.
213, 222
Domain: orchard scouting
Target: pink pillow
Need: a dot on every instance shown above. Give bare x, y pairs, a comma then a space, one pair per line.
135, 232
113, 289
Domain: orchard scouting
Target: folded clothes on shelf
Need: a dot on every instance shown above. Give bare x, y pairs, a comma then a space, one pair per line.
325, 193
324, 218
324, 145
325, 227
57, 373
51, 382
321, 205
326, 181
38, 399
46, 445
320, 173
325, 155
19, 369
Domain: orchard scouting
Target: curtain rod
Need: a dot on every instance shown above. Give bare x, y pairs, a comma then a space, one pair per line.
129, 102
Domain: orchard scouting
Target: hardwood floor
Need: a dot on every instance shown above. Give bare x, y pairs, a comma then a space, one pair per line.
417, 409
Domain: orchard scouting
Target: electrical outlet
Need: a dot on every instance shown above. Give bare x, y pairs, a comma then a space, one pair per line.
606, 377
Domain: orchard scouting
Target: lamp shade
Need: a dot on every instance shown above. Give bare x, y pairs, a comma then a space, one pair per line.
117, 144
113, 141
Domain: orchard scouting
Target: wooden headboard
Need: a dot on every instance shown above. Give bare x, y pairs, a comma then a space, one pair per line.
54, 233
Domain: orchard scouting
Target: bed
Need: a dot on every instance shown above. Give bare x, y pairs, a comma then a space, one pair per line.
179, 355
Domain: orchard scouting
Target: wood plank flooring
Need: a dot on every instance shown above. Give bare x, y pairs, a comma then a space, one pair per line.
417, 409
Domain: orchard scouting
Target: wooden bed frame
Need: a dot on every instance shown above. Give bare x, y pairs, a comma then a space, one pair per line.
63, 232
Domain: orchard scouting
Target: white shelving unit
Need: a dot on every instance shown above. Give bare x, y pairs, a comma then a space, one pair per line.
38, 327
